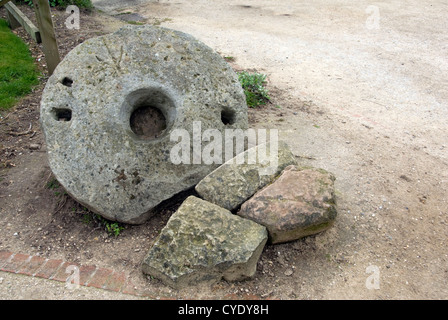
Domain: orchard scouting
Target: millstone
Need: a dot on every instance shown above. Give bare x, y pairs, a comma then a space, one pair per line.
109, 109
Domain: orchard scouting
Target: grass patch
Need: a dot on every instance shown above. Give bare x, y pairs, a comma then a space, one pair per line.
18, 73
254, 88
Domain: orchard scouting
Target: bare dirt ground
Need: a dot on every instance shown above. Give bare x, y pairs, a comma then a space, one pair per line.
365, 99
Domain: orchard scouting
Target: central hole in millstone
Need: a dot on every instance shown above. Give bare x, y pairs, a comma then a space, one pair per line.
148, 113
148, 122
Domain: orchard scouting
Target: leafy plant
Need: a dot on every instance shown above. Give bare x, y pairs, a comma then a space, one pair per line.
86, 4
112, 228
28, 2
86, 218
53, 184
254, 89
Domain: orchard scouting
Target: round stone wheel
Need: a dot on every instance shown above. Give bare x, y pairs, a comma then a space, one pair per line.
109, 109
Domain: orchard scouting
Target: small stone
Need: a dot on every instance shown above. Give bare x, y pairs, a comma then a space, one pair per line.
34, 146
288, 272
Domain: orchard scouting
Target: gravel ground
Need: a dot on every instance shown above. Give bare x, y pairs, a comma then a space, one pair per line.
360, 90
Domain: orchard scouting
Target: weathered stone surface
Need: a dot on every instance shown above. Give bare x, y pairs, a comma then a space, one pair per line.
299, 203
109, 108
203, 243
231, 184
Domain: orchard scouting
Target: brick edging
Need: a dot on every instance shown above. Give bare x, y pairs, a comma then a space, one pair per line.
56, 269
89, 275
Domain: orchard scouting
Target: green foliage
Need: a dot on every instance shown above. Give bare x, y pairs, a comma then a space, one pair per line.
254, 89
86, 218
53, 184
86, 4
18, 73
28, 2
112, 228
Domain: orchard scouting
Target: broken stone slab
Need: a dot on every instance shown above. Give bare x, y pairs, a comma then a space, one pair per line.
203, 243
235, 181
301, 202
110, 108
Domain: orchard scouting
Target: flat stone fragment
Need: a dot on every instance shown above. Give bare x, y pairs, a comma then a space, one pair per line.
234, 182
301, 202
110, 108
203, 243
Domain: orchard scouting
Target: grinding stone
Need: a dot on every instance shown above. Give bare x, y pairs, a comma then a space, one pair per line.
109, 108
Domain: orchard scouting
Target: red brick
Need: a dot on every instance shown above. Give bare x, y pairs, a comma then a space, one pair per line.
100, 278
129, 288
61, 274
85, 272
49, 269
168, 298
4, 256
32, 266
15, 263
116, 281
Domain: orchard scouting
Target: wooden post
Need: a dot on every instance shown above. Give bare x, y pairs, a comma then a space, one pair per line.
17, 18
50, 46
13, 23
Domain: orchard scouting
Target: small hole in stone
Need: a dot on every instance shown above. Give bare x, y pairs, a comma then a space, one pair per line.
228, 117
67, 82
148, 122
62, 114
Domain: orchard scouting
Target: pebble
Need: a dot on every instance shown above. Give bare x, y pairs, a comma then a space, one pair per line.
34, 146
288, 272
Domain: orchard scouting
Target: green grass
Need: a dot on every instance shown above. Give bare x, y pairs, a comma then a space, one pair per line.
254, 88
18, 73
